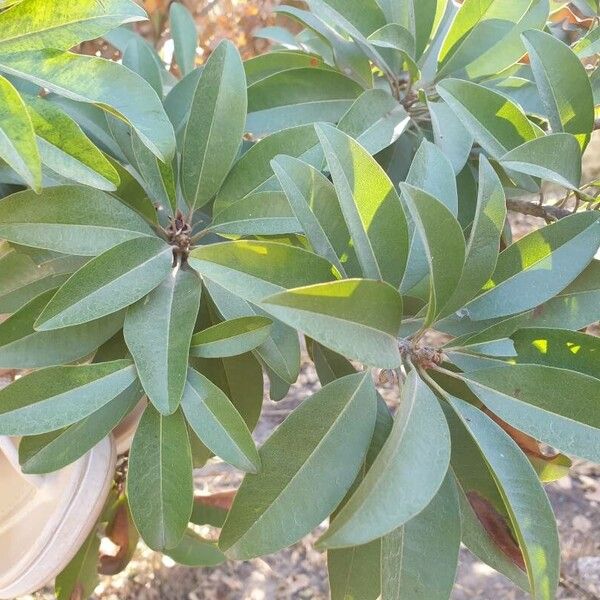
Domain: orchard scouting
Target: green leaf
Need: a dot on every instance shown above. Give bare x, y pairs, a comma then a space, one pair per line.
366, 16
484, 240
370, 205
70, 219
262, 213
375, 120
495, 122
241, 380
231, 338
94, 80
218, 424
263, 66
576, 306
561, 348
358, 318
159, 479
216, 125
556, 406
55, 397
555, 157
17, 137
589, 44
355, 572
538, 266
193, 550
347, 57
49, 452
185, 37
253, 269
450, 135
80, 576
297, 97
314, 202
484, 37
108, 283
66, 150
158, 330
563, 85
419, 559
22, 347
157, 176
403, 478
142, 59
445, 253
252, 172
280, 352
37, 24
432, 172
329, 432
530, 513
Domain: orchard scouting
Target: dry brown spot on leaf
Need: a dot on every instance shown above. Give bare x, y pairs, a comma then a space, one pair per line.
118, 532
496, 526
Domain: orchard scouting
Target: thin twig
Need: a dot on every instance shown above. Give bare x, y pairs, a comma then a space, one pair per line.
550, 213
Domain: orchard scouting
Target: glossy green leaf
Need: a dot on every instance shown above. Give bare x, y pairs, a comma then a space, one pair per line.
445, 253
366, 16
108, 283
55, 397
484, 38
253, 173
22, 347
37, 24
529, 510
194, 551
314, 202
404, 477
563, 85
370, 205
483, 244
495, 122
51, 451
159, 479
231, 338
262, 213
358, 318
254, 269
70, 219
556, 406
185, 37
158, 330
218, 424
555, 158
419, 559
214, 131
17, 137
66, 150
560, 348
104, 83
297, 97
538, 266
329, 431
